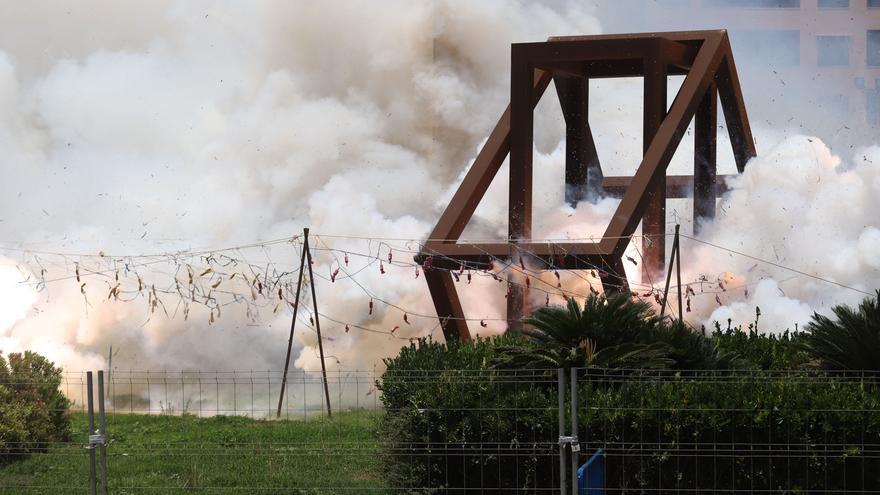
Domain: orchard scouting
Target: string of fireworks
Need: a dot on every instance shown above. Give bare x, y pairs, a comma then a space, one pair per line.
216, 279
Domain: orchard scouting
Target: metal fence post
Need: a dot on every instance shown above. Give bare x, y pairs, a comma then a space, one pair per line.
562, 463
93, 489
102, 424
575, 445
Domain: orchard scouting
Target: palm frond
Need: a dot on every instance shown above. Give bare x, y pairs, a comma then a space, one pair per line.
851, 342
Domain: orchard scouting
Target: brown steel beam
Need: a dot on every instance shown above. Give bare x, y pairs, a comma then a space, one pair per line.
696, 37
705, 155
613, 276
677, 186
599, 69
487, 255
734, 107
662, 147
472, 189
654, 218
519, 218
583, 175
446, 302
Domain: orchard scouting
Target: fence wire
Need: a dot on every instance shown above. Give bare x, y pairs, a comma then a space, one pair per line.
461, 431
732, 431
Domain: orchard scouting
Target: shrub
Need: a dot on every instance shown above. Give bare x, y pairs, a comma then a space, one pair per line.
33, 411
452, 423
744, 431
766, 351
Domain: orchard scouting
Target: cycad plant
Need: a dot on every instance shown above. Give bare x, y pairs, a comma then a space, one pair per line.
605, 321
691, 350
851, 342
605, 333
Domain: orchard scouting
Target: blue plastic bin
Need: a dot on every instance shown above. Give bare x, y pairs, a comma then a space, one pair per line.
591, 476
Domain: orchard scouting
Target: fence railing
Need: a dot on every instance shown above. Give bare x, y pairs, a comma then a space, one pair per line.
252, 393
461, 431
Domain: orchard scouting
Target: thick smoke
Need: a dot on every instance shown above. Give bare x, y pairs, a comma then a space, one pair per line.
199, 125
196, 126
799, 206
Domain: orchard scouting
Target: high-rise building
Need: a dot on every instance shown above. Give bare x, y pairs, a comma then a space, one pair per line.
801, 59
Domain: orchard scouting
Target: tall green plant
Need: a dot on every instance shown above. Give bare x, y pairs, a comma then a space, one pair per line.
605, 321
615, 332
32, 408
851, 342
691, 350
604, 333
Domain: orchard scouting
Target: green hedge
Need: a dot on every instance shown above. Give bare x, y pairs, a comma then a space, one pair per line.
781, 351
734, 430
761, 431
451, 422
33, 411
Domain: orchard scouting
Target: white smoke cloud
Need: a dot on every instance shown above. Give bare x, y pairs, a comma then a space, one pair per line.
189, 125
799, 206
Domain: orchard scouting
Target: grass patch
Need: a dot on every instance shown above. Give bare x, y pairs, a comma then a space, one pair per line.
185, 454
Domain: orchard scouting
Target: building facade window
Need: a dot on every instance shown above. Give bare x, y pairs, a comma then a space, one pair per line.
833, 4
762, 4
834, 106
832, 51
873, 48
872, 105
874, 4
773, 47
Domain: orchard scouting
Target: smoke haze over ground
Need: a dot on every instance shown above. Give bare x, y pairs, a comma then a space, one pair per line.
177, 126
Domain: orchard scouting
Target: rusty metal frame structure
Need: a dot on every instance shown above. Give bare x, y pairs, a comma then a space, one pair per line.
703, 57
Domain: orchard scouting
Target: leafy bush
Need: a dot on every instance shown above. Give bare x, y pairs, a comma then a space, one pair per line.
766, 351
452, 423
33, 411
745, 431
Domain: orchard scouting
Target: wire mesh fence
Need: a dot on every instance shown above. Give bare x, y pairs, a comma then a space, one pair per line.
459, 431
216, 432
254, 394
732, 431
